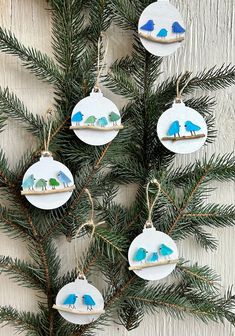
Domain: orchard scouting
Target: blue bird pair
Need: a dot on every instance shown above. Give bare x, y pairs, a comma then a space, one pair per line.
72, 298
174, 129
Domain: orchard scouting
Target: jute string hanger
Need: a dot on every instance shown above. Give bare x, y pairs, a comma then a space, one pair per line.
100, 65
47, 136
179, 92
90, 223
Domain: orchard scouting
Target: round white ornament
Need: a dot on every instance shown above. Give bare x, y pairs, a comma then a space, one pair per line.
149, 248
181, 129
96, 120
79, 302
161, 28
47, 184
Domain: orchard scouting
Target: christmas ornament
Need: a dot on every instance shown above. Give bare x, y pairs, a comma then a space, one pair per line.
96, 120
161, 29
47, 184
79, 302
181, 129
152, 255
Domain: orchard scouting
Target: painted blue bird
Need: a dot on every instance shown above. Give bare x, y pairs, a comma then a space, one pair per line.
153, 257
140, 254
29, 183
88, 301
148, 26
102, 122
192, 128
177, 28
77, 118
70, 300
165, 250
63, 179
162, 33
174, 129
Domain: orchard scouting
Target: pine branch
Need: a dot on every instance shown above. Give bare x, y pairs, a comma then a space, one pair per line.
39, 64
11, 106
21, 272
21, 321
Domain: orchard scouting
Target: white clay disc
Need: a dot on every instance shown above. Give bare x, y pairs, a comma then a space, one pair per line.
95, 107
42, 172
161, 21
189, 123
80, 288
151, 240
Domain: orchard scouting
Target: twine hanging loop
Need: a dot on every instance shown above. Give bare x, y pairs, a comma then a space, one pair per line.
47, 136
149, 222
179, 92
90, 223
100, 66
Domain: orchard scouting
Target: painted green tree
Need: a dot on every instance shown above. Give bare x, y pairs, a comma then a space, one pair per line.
135, 156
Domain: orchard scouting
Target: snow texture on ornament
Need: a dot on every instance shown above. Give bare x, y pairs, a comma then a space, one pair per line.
152, 255
181, 129
79, 302
96, 120
47, 184
161, 29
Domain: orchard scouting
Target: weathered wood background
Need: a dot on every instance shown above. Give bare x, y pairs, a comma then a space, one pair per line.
210, 41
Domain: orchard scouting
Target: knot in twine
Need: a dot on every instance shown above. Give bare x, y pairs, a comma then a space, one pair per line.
149, 222
90, 223
179, 92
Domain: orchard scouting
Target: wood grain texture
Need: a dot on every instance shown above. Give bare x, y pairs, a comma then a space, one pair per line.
209, 41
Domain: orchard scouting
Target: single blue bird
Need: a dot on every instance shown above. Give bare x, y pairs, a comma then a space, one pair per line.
148, 26
162, 33
70, 300
88, 301
165, 250
102, 122
174, 129
153, 257
63, 179
77, 118
177, 28
140, 254
192, 128
29, 183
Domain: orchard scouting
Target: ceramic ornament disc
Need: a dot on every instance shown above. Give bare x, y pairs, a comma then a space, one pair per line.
79, 302
47, 184
96, 120
149, 247
181, 129
161, 28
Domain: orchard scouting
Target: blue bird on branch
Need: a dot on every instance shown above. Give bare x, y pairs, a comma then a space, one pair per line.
192, 128
165, 251
88, 301
29, 183
77, 117
148, 26
162, 33
140, 254
177, 28
174, 129
153, 257
64, 179
70, 300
